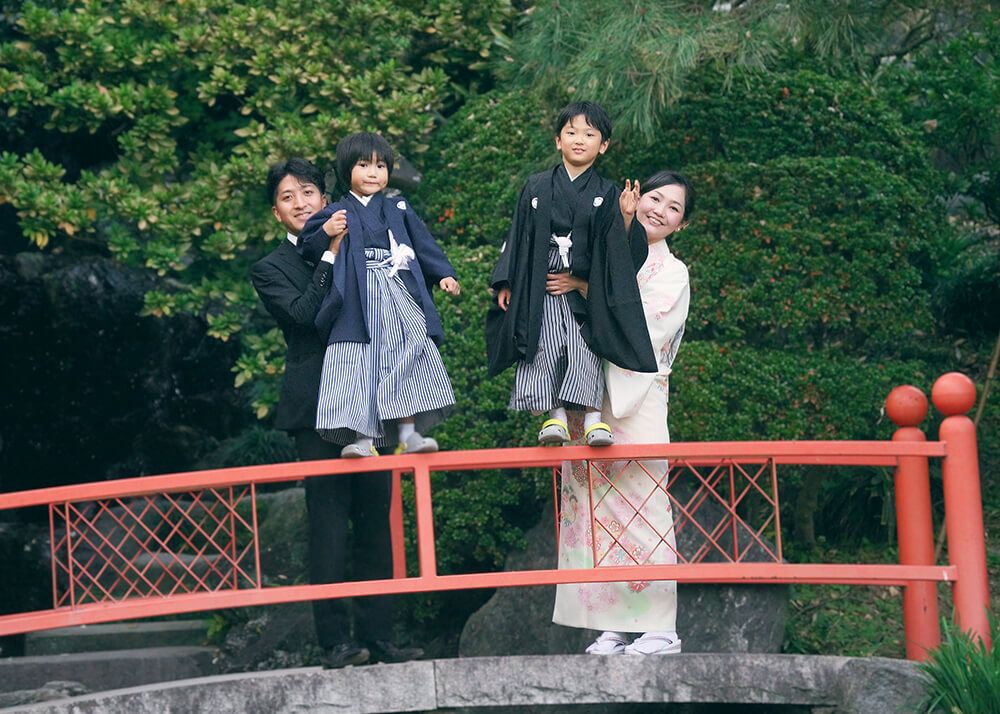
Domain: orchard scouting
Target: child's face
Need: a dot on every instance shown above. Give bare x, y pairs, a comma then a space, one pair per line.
294, 201
369, 176
661, 211
579, 143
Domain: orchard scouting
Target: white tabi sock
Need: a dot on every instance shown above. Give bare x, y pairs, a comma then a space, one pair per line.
558, 413
406, 428
365, 442
591, 418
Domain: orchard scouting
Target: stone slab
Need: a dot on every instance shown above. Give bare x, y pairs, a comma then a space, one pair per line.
99, 671
119, 636
842, 684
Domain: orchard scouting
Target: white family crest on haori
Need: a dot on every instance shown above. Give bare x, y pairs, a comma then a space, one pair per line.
534, 202
401, 205
598, 200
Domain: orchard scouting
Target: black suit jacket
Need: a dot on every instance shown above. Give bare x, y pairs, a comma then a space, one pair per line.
292, 290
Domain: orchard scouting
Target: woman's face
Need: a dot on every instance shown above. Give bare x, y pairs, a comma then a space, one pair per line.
661, 211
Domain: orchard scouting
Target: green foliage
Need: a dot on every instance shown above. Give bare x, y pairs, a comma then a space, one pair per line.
963, 675
145, 128
809, 252
640, 56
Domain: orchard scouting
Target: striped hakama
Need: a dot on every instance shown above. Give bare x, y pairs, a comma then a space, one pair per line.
564, 371
397, 374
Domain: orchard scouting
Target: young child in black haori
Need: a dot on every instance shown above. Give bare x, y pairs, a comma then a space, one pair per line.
566, 292
383, 379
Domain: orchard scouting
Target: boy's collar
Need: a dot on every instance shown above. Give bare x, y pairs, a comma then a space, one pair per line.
578, 174
363, 200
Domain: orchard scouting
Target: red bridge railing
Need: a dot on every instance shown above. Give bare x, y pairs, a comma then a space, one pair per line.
179, 543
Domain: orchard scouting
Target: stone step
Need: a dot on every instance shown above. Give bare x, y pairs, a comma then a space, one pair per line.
119, 636
100, 671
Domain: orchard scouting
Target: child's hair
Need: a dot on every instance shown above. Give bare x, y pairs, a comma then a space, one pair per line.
297, 167
672, 178
360, 147
592, 112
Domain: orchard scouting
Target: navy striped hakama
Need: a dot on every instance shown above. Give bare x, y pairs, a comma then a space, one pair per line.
397, 374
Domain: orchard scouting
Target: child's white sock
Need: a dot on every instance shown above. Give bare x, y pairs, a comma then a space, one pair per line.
365, 442
591, 418
406, 428
558, 413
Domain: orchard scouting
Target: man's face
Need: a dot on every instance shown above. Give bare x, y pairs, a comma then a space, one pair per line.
579, 143
295, 201
369, 176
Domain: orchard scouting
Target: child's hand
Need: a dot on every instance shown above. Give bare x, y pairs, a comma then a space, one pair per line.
562, 283
335, 227
503, 298
629, 201
450, 286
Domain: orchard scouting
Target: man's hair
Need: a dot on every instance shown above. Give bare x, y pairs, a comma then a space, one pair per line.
297, 167
672, 178
360, 147
592, 112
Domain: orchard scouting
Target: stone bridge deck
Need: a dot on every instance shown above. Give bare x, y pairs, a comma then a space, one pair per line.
809, 683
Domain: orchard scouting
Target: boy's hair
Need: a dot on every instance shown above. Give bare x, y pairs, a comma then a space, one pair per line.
592, 112
297, 167
360, 147
672, 178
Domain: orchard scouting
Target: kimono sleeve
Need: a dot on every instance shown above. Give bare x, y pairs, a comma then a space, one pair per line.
615, 328
519, 227
433, 262
313, 240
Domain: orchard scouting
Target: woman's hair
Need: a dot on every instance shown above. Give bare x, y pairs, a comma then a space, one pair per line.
672, 178
360, 147
297, 167
592, 112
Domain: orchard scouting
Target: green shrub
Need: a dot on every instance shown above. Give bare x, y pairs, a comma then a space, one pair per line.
963, 675
805, 253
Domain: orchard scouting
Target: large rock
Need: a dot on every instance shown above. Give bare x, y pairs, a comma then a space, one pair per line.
710, 618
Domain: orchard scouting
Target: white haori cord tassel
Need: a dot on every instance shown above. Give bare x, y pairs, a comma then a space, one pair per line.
400, 256
564, 243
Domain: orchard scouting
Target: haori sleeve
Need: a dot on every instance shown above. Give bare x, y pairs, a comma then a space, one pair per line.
313, 240
433, 262
519, 227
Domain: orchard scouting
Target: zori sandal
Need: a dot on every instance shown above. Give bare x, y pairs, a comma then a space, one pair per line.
599, 435
608, 643
654, 643
554, 432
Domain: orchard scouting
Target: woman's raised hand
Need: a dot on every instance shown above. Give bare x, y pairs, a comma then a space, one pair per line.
629, 201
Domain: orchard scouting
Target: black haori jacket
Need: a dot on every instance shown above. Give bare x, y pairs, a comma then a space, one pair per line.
611, 317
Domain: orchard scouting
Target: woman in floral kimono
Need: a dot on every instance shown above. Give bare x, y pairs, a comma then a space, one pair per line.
632, 512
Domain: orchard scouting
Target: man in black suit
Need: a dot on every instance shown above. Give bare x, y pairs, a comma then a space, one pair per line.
292, 290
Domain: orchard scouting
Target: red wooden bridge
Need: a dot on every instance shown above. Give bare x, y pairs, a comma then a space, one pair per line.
164, 545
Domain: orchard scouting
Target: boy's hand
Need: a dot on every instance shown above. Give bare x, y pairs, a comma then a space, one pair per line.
503, 298
450, 286
629, 201
336, 227
562, 283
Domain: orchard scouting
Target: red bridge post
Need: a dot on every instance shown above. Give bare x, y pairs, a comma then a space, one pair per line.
907, 407
396, 533
954, 394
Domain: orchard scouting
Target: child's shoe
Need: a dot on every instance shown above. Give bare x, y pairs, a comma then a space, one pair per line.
357, 451
599, 435
417, 444
554, 432
655, 643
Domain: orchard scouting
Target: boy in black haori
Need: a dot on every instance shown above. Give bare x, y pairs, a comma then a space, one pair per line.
566, 293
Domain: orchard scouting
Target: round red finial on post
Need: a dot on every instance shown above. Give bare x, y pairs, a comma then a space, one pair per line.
953, 394
906, 406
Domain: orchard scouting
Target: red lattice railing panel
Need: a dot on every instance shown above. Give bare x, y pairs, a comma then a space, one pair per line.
115, 549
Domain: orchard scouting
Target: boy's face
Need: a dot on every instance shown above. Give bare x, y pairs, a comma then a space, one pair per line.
369, 176
295, 201
580, 144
